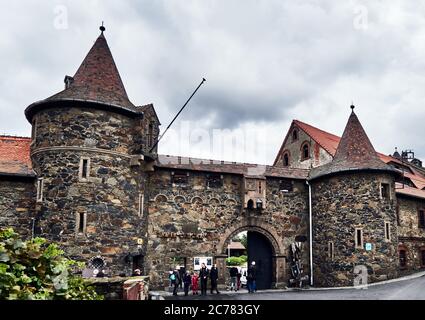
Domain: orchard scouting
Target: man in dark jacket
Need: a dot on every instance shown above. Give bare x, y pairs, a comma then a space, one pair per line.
251, 278
233, 277
203, 276
177, 282
214, 278
187, 280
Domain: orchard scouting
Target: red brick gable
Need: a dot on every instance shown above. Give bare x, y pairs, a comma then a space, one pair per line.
15, 156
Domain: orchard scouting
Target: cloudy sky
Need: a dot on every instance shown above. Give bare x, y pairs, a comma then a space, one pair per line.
266, 63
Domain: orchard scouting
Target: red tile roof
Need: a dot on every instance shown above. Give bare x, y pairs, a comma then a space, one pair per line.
15, 156
330, 142
354, 152
97, 80
236, 246
409, 191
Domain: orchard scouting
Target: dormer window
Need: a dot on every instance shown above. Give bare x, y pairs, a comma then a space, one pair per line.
305, 151
295, 135
68, 81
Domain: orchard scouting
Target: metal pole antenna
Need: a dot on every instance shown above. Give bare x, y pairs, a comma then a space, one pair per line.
156, 143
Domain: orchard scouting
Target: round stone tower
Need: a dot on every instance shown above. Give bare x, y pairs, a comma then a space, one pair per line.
354, 214
89, 146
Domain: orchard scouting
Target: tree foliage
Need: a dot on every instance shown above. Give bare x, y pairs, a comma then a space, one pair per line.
36, 270
236, 261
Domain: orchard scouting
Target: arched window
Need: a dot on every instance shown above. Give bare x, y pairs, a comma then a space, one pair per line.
305, 151
286, 159
250, 204
295, 135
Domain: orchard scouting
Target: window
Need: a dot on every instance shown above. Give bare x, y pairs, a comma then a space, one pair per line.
81, 222
286, 159
387, 231
397, 211
385, 191
285, 186
294, 135
150, 134
141, 203
359, 238
422, 257
214, 181
180, 178
34, 129
260, 187
40, 186
331, 250
84, 173
250, 204
421, 219
305, 151
402, 255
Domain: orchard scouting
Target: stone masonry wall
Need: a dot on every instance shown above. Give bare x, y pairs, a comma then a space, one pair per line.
16, 204
193, 220
341, 204
411, 236
114, 226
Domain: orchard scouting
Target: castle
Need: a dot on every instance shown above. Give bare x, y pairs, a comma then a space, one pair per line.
91, 179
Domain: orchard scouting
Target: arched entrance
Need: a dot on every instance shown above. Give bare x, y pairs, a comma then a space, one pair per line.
261, 252
263, 248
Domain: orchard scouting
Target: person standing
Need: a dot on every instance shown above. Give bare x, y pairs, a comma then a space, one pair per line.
239, 276
176, 282
203, 274
233, 276
195, 279
252, 276
214, 278
187, 280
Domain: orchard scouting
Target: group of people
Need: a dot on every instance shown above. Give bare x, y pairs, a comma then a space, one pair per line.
192, 280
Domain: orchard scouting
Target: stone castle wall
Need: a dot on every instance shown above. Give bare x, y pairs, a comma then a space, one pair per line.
17, 197
340, 204
194, 220
109, 198
411, 236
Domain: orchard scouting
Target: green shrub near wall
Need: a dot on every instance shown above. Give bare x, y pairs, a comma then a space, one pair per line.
36, 270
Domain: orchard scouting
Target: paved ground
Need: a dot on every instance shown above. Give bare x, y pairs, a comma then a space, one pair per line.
413, 289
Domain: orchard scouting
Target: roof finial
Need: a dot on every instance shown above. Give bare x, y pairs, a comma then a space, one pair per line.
102, 28
352, 106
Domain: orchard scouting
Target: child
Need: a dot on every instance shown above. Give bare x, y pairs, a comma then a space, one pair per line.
195, 279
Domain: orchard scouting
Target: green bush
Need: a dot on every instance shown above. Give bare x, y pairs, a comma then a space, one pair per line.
35, 270
236, 261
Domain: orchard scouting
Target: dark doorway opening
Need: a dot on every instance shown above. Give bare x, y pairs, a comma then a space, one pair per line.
138, 263
260, 250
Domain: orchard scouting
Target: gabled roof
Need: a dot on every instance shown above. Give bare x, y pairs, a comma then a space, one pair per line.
97, 80
354, 152
15, 156
149, 108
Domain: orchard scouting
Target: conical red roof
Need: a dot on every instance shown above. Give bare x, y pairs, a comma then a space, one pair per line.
354, 152
97, 80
